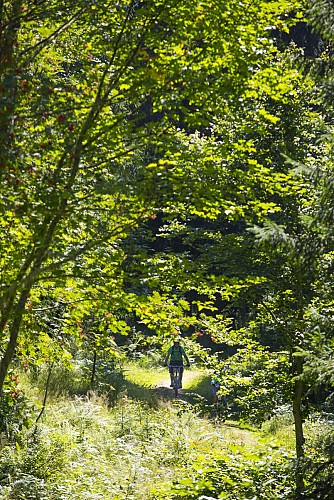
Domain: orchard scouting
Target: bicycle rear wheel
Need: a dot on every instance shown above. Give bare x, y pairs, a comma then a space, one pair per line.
176, 383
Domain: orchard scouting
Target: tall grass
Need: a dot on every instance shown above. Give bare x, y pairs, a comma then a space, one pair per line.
86, 449
140, 446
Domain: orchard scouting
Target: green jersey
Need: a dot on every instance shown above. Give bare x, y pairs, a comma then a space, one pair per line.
176, 355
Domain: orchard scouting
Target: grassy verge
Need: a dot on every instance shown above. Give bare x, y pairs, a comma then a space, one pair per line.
144, 447
83, 449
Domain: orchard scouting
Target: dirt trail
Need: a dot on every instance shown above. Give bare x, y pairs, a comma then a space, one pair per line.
188, 393
234, 434
196, 391
154, 385
188, 377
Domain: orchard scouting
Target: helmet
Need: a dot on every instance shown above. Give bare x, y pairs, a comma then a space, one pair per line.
177, 339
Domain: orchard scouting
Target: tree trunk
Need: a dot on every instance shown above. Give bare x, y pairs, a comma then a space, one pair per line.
14, 331
298, 423
9, 26
92, 380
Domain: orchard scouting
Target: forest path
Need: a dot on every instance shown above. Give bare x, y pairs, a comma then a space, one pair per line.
152, 384
189, 378
192, 386
196, 383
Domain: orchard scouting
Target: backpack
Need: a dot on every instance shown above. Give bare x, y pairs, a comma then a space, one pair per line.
180, 349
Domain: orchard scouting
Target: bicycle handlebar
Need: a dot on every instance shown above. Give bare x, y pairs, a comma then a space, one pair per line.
178, 366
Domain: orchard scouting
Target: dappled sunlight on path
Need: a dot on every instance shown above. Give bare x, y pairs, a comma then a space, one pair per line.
153, 386
190, 379
196, 386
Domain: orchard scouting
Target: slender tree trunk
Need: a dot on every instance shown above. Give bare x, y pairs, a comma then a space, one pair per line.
45, 397
14, 331
298, 423
4, 315
9, 26
92, 380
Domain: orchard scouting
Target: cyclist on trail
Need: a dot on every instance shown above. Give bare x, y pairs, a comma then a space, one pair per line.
176, 353
217, 379
215, 386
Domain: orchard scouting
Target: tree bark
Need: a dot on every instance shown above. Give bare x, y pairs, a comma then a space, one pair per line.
8, 78
92, 380
298, 424
14, 331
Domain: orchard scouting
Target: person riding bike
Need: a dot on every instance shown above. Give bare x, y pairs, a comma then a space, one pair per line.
215, 386
176, 353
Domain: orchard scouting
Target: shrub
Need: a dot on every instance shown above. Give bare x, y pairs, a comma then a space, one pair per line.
77, 380
40, 457
25, 487
319, 468
233, 476
17, 412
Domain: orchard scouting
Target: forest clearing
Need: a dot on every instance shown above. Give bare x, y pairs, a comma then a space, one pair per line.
143, 443
142, 447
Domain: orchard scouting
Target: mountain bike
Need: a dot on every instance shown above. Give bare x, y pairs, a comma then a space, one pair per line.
176, 379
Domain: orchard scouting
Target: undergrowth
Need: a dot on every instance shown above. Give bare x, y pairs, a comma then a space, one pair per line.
140, 446
85, 449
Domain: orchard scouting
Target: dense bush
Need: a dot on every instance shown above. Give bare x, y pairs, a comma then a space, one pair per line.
17, 412
255, 384
76, 380
27, 471
233, 475
319, 468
